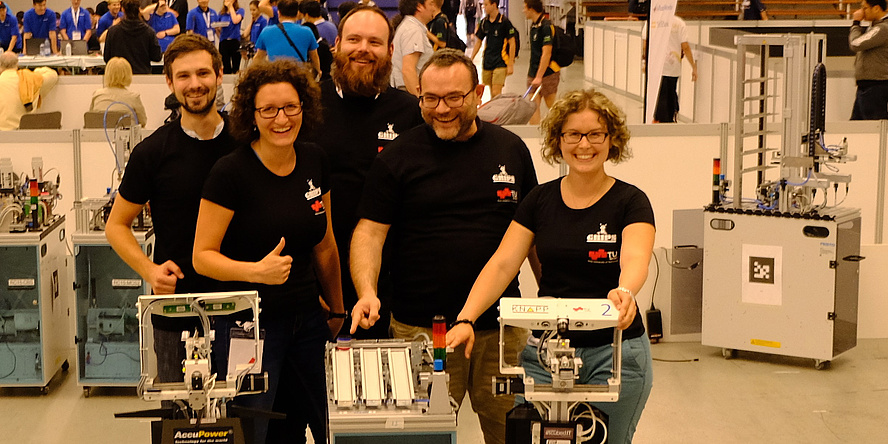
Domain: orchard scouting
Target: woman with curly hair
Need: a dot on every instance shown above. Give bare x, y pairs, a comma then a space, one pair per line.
264, 224
594, 236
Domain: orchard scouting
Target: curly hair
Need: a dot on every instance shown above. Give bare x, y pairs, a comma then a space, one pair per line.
609, 114
243, 104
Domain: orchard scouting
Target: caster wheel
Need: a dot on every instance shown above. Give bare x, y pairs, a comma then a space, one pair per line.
44, 391
729, 353
821, 365
86, 392
65, 366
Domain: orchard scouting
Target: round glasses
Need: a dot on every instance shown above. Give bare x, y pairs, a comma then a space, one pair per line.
270, 112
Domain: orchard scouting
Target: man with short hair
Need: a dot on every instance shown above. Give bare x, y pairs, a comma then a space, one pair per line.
362, 115
871, 62
133, 40
9, 32
543, 72
411, 44
40, 23
76, 22
440, 197
287, 39
168, 170
311, 12
11, 106
109, 19
677, 48
498, 61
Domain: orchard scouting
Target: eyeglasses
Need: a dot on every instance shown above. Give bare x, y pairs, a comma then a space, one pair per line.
452, 100
576, 137
270, 112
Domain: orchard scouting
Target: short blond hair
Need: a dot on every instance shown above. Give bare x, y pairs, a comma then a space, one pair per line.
118, 73
611, 116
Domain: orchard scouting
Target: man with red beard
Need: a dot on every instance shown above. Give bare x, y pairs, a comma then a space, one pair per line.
362, 114
168, 170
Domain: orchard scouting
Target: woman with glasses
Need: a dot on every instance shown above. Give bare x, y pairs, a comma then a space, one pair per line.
264, 224
594, 236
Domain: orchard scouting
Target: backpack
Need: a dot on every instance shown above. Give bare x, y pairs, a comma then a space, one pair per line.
325, 55
452, 39
564, 47
506, 44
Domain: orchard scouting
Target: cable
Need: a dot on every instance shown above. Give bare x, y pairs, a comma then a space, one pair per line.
672, 264
656, 277
676, 360
14, 361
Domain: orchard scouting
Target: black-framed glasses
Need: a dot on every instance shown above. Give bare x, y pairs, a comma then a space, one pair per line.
270, 112
452, 100
576, 136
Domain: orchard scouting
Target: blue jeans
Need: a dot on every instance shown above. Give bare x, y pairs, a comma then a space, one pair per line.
871, 102
294, 347
637, 380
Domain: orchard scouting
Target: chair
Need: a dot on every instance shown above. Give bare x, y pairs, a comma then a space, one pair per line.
52, 120
96, 119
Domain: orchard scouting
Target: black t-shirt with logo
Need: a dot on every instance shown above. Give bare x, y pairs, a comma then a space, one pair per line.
354, 131
579, 250
540, 35
448, 204
438, 27
496, 33
267, 207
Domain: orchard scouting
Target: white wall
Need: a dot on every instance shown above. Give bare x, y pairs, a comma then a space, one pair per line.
671, 163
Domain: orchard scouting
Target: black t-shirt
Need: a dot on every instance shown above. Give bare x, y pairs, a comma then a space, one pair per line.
168, 170
354, 131
752, 9
438, 27
496, 33
579, 250
540, 35
448, 204
267, 207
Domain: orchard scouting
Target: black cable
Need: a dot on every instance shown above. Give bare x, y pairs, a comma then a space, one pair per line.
656, 278
14, 361
673, 265
676, 360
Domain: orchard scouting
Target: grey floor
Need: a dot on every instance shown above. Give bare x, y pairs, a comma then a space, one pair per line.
699, 398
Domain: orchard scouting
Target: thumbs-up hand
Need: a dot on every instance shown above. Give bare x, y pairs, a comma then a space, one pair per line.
274, 269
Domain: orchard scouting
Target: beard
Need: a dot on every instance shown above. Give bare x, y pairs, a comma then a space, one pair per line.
366, 82
451, 130
200, 108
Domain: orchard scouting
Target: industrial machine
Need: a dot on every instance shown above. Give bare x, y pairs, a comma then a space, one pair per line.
388, 391
781, 253
565, 413
106, 288
33, 315
200, 401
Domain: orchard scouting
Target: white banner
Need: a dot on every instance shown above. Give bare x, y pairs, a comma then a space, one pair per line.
661, 15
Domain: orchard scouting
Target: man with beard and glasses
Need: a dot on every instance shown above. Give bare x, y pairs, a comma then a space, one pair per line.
167, 170
442, 195
362, 114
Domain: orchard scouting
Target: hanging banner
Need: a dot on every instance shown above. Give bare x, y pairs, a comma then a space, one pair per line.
660, 26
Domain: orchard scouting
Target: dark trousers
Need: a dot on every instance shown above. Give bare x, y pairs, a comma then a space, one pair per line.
871, 102
667, 100
293, 356
231, 57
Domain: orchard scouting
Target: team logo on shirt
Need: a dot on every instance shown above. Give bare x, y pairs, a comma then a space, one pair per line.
602, 236
601, 256
507, 195
388, 134
313, 191
318, 207
503, 176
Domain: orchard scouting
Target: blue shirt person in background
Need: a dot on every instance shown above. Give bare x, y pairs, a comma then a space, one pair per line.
39, 23
109, 19
200, 20
163, 22
76, 22
10, 38
229, 38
